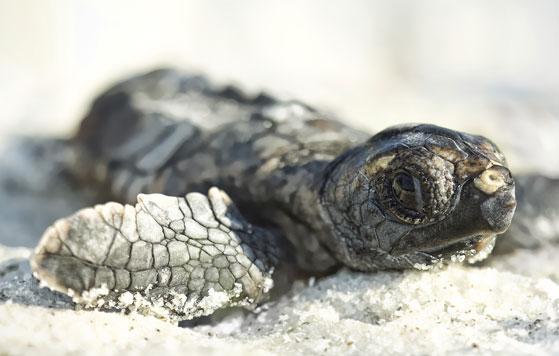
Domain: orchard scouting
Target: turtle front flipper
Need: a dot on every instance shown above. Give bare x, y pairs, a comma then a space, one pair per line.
175, 257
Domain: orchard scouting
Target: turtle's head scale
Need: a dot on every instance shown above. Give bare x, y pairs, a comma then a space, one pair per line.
414, 195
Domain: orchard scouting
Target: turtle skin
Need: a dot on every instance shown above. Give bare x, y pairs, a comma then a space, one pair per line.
219, 192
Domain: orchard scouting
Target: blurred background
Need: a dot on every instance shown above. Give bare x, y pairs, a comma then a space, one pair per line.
487, 66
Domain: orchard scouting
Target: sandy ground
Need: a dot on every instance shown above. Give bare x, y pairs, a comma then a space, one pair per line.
510, 307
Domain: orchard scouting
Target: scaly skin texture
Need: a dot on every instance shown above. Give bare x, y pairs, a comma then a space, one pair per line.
324, 193
268, 157
174, 251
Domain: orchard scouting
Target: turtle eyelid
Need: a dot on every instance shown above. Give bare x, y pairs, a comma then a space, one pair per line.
406, 182
408, 191
418, 194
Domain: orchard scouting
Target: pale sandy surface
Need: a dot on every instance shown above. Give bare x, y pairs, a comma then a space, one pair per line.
456, 310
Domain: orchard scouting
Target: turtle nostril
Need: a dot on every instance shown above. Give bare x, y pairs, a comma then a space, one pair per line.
510, 204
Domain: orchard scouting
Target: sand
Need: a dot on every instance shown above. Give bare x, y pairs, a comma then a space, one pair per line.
510, 306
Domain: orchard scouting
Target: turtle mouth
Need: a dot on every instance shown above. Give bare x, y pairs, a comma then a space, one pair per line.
475, 248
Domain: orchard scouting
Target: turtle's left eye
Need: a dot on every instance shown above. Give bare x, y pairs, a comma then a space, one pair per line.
416, 187
404, 181
407, 190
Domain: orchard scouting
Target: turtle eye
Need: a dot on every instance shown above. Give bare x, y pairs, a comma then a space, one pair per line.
404, 181
407, 190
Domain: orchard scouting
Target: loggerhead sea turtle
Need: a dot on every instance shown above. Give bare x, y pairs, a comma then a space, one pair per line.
310, 194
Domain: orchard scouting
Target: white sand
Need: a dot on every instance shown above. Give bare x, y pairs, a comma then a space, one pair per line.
456, 310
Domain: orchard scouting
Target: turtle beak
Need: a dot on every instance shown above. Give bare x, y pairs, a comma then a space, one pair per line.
498, 209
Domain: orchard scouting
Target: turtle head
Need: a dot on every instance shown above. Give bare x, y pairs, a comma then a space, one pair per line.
415, 195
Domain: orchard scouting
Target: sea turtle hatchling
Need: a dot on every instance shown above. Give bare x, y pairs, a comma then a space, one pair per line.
311, 192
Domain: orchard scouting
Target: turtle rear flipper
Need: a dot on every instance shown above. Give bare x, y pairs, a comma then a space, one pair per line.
175, 257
